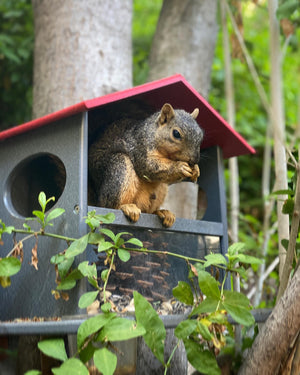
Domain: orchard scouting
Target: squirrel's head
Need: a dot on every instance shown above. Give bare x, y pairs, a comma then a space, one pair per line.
179, 136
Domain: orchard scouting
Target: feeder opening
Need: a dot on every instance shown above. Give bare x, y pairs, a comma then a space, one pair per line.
40, 172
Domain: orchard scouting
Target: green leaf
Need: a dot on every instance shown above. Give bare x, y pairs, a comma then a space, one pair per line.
183, 293
155, 331
120, 329
104, 275
9, 266
27, 227
54, 214
285, 243
204, 331
108, 233
208, 305
208, 285
95, 238
108, 218
42, 200
33, 372
214, 259
248, 259
92, 325
58, 258
39, 214
288, 206
203, 360
185, 328
87, 352
88, 270
94, 221
287, 8
64, 266
105, 361
236, 248
54, 348
77, 247
136, 242
124, 255
104, 245
70, 281
106, 307
72, 366
87, 299
288, 192
118, 237
238, 306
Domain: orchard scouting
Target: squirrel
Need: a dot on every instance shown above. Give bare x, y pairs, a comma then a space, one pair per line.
132, 163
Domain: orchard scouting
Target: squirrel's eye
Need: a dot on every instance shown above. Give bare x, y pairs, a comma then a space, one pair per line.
176, 134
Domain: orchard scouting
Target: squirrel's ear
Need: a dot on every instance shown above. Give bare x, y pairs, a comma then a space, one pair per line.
195, 113
166, 113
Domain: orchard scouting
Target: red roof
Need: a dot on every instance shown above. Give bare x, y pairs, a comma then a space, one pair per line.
174, 90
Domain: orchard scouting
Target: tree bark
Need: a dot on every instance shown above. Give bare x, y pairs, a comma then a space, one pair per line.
82, 50
184, 43
277, 334
278, 124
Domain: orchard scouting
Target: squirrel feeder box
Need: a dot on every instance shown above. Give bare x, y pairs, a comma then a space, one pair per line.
50, 154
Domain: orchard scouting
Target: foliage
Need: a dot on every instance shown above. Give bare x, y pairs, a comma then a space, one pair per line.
203, 333
16, 57
145, 16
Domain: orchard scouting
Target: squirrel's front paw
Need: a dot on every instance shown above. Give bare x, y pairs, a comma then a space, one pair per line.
166, 216
196, 173
131, 211
185, 170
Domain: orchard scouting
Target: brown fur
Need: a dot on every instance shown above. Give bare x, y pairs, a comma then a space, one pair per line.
132, 164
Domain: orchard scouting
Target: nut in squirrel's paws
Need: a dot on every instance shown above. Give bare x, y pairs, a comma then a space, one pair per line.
196, 173
166, 216
131, 211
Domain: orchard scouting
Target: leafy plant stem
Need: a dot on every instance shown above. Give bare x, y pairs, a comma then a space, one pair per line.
143, 250
107, 277
42, 233
167, 365
222, 290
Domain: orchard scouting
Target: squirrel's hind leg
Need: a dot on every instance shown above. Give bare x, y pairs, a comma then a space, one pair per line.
128, 192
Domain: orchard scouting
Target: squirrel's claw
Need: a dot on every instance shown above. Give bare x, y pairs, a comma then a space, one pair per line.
131, 211
166, 216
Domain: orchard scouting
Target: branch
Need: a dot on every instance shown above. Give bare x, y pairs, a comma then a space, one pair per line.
288, 265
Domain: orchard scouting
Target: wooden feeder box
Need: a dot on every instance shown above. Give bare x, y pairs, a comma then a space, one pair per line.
50, 154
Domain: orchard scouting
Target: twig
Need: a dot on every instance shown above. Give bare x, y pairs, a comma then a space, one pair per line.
17, 244
271, 267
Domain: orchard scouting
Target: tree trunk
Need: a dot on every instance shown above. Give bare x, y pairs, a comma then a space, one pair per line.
82, 50
278, 129
280, 330
184, 43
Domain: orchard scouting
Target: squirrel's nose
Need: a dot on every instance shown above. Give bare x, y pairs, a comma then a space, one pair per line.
194, 159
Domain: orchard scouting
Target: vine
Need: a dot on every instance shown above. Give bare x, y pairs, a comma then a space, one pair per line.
204, 332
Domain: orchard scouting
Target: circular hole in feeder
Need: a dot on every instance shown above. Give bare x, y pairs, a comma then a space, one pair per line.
41, 172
